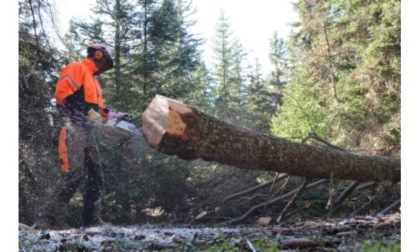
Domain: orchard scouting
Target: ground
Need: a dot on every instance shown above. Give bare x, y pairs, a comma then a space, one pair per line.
363, 233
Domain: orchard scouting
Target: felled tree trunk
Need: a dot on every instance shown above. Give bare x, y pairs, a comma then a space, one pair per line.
178, 129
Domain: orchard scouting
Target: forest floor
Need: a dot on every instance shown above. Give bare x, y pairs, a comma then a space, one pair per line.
362, 233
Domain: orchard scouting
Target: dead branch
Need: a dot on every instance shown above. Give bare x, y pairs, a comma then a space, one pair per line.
340, 199
343, 196
366, 185
250, 245
255, 188
270, 193
280, 191
275, 200
253, 197
292, 200
390, 207
297, 211
333, 193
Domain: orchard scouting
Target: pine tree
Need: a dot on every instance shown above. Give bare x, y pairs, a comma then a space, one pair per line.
279, 60
229, 76
111, 24
344, 85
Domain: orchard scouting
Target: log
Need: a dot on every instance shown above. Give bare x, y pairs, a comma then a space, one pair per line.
178, 129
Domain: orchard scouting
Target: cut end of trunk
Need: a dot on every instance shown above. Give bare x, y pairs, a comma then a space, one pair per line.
165, 116
154, 120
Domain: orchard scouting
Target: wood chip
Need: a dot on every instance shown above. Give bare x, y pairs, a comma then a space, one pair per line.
264, 221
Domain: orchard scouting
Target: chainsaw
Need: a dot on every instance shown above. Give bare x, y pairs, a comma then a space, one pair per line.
123, 121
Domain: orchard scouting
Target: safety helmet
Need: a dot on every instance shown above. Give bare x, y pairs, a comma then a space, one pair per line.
106, 53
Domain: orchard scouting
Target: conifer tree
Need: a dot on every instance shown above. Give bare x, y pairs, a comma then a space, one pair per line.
345, 83
229, 76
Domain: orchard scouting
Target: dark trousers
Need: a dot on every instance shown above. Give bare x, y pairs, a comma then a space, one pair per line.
82, 155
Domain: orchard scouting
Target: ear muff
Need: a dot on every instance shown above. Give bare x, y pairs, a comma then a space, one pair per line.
98, 55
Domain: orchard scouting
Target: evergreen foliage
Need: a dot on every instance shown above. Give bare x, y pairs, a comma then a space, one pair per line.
229, 76
344, 85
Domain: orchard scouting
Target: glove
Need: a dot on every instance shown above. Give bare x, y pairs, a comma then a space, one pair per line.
94, 116
111, 115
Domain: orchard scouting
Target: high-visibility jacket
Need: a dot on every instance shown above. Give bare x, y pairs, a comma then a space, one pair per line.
77, 87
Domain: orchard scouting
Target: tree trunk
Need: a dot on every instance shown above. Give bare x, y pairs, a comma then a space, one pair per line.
178, 129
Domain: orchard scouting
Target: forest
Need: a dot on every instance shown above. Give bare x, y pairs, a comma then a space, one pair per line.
334, 87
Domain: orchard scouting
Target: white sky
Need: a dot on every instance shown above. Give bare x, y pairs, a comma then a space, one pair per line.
253, 22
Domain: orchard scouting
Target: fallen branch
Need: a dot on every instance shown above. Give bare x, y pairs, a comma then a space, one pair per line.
343, 196
250, 245
340, 199
255, 188
275, 200
279, 191
390, 207
292, 200
304, 208
366, 185
283, 187
332, 195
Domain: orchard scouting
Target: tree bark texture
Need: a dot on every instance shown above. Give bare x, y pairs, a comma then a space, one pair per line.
175, 128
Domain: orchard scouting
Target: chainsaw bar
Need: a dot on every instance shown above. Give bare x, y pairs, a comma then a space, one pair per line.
124, 125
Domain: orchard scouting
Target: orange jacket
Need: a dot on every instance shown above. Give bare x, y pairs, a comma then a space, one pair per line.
75, 76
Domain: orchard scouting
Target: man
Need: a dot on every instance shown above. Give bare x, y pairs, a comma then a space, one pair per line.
79, 104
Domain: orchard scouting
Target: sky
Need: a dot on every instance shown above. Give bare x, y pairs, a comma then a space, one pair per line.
252, 22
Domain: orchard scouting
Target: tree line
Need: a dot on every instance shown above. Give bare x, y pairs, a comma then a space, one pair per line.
335, 80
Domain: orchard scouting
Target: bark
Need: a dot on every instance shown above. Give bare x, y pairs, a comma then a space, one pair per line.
178, 129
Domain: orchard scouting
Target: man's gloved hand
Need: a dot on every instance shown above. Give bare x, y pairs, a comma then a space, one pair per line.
94, 116
111, 115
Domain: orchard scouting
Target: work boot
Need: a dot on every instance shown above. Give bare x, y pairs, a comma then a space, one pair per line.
98, 222
92, 215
